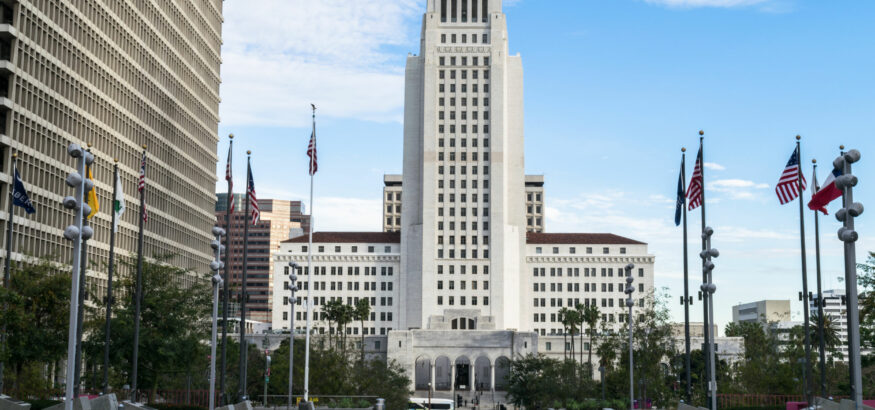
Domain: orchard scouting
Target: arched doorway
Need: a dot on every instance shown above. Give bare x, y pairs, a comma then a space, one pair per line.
422, 372
482, 374
442, 373
502, 369
463, 373
463, 323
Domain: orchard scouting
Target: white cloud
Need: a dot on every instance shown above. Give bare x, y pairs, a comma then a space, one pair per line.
714, 166
737, 188
707, 3
281, 55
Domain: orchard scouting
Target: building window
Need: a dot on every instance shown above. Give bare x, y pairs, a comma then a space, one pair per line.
605, 250
555, 250
622, 251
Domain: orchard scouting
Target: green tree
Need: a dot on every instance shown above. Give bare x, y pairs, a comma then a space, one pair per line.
36, 315
362, 312
590, 315
173, 325
537, 382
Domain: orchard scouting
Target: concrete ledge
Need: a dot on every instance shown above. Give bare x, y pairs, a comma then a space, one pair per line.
849, 405
8, 403
79, 403
129, 405
105, 402
826, 404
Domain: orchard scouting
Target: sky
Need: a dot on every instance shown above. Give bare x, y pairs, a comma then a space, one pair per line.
613, 90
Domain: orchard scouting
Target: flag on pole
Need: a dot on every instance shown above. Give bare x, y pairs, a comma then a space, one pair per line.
20, 196
311, 152
118, 203
91, 199
253, 201
788, 185
695, 190
825, 194
229, 178
680, 198
141, 187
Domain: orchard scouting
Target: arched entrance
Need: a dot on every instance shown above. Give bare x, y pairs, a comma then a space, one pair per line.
463, 373
422, 372
442, 373
463, 323
482, 374
502, 369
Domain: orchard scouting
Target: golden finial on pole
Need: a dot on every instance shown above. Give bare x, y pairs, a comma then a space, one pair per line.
798, 137
683, 149
231, 136
144, 146
813, 161
14, 155
115, 160
841, 147
248, 152
701, 132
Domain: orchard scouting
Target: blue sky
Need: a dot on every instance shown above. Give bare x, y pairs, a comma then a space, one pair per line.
613, 90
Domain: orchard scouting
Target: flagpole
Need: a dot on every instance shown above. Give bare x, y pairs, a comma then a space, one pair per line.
686, 281
138, 295
806, 373
707, 327
243, 295
225, 291
106, 341
309, 277
7, 264
820, 318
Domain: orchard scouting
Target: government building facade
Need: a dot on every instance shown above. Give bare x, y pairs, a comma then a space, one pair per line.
464, 276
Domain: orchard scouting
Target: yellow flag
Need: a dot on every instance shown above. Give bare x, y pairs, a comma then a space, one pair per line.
92, 196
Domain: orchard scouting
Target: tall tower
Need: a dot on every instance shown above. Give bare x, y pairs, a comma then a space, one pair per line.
463, 217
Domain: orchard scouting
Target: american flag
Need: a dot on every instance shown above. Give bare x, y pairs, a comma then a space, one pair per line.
788, 186
141, 186
253, 201
311, 152
229, 178
695, 191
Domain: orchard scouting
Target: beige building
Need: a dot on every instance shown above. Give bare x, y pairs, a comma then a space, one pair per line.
765, 311
278, 221
116, 75
535, 218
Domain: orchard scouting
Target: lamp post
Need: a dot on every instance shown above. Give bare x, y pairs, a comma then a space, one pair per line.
293, 287
708, 288
216, 265
849, 236
629, 304
76, 233
602, 374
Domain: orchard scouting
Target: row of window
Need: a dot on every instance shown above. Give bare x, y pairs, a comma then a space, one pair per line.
464, 61
451, 300
351, 286
384, 317
463, 184
464, 36
352, 249
463, 102
537, 197
463, 254
463, 74
390, 195
462, 269
587, 287
463, 197
320, 300
463, 142
462, 285
572, 302
338, 270
606, 250
463, 240
587, 272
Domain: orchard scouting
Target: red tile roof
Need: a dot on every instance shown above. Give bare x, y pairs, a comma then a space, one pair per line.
349, 237
579, 239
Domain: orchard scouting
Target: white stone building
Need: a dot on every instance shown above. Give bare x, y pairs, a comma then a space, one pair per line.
462, 287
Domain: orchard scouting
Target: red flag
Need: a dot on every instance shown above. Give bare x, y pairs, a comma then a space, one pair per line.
825, 194
311, 152
694, 192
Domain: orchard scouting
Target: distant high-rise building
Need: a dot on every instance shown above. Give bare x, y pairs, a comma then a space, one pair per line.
279, 221
835, 311
116, 75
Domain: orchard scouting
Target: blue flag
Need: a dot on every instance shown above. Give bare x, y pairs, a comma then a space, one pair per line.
681, 197
19, 195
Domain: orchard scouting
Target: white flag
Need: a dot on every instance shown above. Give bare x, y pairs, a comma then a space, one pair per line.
118, 203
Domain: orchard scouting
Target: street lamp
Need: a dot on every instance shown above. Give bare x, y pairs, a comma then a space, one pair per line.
629, 304
293, 287
216, 265
708, 288
848, 235
76, 233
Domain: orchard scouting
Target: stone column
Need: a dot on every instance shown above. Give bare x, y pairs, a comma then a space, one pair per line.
431, 372
453, 379
492, 377
473, 378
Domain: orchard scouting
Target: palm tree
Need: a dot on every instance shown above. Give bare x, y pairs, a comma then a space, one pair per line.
331, 313
590, 315
830, 333
362, 311
563, 318
573, 319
